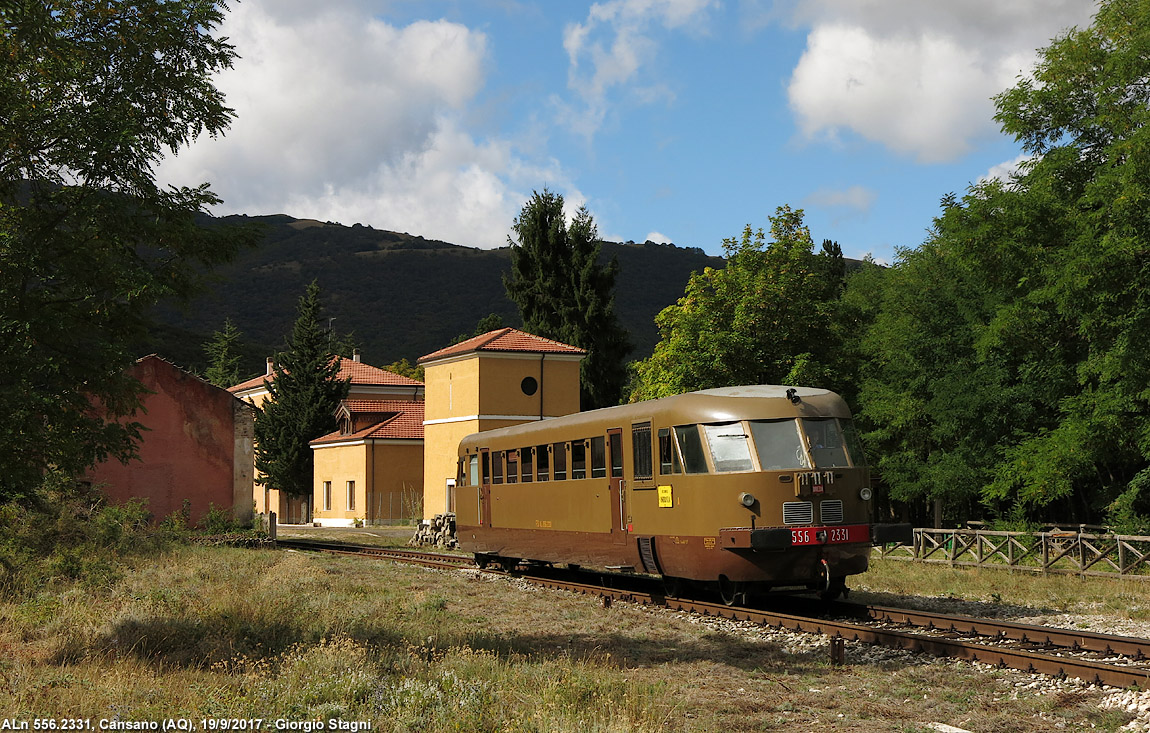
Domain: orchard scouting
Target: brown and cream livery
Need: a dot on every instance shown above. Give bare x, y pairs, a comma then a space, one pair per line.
739, 488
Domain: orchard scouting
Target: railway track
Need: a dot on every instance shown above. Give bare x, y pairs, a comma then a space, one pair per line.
1117, 661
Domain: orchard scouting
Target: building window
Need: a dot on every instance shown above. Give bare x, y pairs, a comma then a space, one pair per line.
529, 385
327, 496
351, 496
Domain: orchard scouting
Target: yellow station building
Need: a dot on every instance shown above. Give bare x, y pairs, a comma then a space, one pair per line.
498, 379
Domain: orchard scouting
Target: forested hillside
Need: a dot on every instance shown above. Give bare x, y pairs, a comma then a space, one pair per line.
402, 295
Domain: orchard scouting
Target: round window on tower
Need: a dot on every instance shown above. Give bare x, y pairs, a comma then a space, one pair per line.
529, 386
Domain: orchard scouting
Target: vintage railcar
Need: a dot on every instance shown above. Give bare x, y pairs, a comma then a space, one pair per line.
741, 489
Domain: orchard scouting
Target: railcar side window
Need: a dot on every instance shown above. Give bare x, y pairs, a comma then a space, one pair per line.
525, 459
459, 475
668, 457
729, 449
854, 444
778, 444
691, 448
497, 466
598, 457
641, 451
560, 461
616, 444
473, 470
826, 444
578, 459
485, 461
542, 465
512, 466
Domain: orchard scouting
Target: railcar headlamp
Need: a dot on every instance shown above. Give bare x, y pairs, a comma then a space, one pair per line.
747, 500
865, 493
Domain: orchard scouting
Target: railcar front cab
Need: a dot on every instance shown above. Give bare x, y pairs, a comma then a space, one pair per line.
810, 454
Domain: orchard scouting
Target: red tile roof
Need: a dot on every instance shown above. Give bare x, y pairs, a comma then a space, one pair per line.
403, 421
505, 339
359, 372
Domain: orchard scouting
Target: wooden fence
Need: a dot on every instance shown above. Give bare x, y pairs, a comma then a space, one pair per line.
1056, 551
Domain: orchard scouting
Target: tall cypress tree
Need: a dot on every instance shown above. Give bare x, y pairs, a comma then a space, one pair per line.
301, 405
564, 292
224, 370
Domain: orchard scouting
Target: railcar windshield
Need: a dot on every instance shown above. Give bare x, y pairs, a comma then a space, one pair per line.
729, 448
779, 444
829, 447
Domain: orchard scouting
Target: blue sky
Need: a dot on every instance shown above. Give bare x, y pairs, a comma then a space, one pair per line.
674, 120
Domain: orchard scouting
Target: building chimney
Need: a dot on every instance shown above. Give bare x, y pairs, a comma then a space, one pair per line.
271, 365
355, 355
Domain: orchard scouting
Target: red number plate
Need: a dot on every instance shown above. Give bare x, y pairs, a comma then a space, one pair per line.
830, 535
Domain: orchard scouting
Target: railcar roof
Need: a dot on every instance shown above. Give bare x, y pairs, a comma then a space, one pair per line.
761, 401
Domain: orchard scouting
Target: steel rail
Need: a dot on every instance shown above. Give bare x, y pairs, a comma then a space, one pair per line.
1027, 661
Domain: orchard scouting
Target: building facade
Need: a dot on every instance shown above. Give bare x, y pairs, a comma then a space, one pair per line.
500, 378
196, 448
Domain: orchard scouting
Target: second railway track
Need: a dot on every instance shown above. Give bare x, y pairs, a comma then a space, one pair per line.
1117, 661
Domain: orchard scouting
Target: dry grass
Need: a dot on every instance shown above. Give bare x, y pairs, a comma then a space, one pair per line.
221, 632
1029, 593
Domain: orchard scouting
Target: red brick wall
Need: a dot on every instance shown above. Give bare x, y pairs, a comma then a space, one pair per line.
188, 450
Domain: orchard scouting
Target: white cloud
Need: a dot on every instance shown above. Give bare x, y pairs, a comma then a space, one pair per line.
916, 76
856, 199
1005, 170
658, 237
341, 116
608, 50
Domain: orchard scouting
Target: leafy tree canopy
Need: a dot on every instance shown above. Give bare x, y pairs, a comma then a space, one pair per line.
764, 319
1010, 360
302, 400
564, 293
92, 94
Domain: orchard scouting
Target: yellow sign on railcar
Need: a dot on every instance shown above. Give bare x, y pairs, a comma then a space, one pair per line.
665, 499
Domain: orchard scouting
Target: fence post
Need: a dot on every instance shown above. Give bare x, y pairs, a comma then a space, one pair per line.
272, 526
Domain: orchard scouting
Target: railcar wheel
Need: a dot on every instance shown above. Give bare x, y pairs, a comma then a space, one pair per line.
482, 561
672, 586
731, 593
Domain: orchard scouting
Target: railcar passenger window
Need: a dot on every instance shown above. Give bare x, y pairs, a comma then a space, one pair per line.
778, 444
826, 444
512, 466
485, 460
578, 459
729, 449
473, 470
459, 475
542, 465
668, 456
641, 451
598, 457
691, 448
854, 444
525, 457
497, 467
560, 461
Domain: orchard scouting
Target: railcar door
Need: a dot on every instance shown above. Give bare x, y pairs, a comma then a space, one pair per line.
618, 497
485, 488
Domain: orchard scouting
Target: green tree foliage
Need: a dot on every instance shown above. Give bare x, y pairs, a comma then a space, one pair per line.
767, 318
490, 322
405, 368
222, 350
92, 94
301, 404
1022, 374
564, 293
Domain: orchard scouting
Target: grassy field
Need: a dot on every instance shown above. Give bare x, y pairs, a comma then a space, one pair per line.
222, 632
